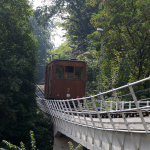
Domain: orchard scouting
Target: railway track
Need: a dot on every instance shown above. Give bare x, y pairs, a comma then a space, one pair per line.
40, 91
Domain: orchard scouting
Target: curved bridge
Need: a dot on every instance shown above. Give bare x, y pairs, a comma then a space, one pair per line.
118, 119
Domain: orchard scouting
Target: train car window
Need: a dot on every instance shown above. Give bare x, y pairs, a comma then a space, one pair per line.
69, 70
78, 73
60, 72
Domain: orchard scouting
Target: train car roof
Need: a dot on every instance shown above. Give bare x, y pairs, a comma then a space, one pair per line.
72, 60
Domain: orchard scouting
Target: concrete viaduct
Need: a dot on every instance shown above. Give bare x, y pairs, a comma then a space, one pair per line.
118, 119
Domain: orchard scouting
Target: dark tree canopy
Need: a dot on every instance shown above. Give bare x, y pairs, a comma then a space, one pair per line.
76, 17
76, 22
18, 109
126, 26
45, 45
17, 59
126, 37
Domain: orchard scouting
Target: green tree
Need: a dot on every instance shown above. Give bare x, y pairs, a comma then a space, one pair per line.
17, 59
126, 39
71, 147
22, 147
18, 109
64, 51
77, 25
45, 45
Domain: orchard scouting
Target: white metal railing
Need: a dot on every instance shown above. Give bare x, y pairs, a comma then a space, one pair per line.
121, 109
113, 105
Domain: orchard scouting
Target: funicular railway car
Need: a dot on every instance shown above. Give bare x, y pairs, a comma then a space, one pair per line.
65, 79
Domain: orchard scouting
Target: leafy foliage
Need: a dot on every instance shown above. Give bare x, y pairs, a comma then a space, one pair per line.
76, 22
43, 16
44, 44
22, 147
18, 109
43, 130
126, 40
71, 147
64, 51
17, 59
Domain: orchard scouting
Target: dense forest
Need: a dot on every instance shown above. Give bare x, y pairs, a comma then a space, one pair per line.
25, 47
126, 40
18, 55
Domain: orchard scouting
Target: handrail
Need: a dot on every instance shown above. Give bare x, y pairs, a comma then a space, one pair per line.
95, 111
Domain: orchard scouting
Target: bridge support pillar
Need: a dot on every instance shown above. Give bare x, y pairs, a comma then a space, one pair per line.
61, 142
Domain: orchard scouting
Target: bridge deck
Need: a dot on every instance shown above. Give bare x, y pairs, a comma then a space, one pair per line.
113, 124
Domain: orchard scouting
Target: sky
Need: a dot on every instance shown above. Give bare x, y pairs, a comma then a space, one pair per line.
36, 3
57, 34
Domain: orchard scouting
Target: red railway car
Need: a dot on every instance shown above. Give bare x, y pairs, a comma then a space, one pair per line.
65, 79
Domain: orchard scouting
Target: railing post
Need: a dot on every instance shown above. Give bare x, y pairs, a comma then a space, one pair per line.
112, 123
129, 104
125, 120
116, 106
99, 117
76, 111
110, 105
139, 110
72, 120
82, 111
89, 113
122, 105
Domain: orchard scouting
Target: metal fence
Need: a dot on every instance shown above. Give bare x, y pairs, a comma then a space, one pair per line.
126, 108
